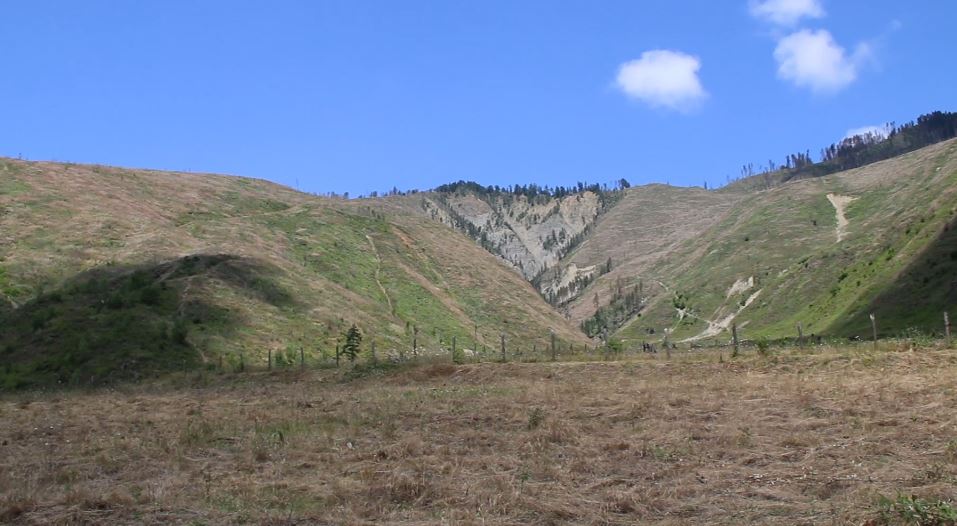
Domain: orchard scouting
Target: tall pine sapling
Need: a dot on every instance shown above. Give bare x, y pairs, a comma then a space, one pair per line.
353, 341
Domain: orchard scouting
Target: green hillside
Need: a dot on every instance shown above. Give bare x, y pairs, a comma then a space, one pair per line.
776, 259
110, 274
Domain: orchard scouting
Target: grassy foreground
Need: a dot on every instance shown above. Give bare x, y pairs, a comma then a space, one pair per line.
799, 437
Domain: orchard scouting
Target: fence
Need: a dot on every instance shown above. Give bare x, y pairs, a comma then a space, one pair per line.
526, 352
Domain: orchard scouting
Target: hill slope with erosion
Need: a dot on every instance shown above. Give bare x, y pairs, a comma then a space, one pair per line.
110, 273
823, 252
531, 233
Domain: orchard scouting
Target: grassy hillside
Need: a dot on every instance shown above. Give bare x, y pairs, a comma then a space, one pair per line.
643, 231
110, 273
779, 257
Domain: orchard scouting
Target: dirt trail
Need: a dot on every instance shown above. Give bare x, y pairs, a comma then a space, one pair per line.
378, 267
840, 202
717, 327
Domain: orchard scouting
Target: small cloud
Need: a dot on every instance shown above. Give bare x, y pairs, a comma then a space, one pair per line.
812, 59
882, 131
786, 12
663, 78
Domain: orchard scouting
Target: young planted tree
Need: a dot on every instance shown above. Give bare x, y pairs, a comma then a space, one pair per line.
353, 341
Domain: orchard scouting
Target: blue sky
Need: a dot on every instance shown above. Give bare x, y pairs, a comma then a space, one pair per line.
365, 95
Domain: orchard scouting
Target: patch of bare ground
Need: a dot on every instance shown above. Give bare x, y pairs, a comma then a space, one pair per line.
798, 438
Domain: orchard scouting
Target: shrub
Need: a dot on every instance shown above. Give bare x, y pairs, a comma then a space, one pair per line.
536, 417
917, 511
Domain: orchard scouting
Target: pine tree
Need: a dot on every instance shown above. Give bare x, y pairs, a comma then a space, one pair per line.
353, 341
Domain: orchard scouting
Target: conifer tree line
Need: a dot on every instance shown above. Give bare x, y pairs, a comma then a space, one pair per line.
859, 150
532, 192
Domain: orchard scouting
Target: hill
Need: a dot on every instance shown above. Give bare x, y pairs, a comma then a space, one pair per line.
819, 252
110, 273
823, 250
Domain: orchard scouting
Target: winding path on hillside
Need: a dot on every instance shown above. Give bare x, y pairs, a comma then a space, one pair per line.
839, 202
378, 267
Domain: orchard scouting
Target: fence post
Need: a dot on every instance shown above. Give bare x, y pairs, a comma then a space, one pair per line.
337, 355
302, 358
800, 335
874, 329
553, 344
504, 357
734, 339
269, 360
242, 362
947, 329
415, 342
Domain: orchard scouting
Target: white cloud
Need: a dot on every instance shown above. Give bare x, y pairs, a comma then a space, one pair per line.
881, 131
812, 59
663, 78
786, 12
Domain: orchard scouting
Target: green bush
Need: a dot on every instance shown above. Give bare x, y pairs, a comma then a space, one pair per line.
912, 510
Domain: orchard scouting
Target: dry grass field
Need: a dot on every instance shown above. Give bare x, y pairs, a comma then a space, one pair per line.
799, 437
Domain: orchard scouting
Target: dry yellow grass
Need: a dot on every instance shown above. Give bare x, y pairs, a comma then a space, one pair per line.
799, 438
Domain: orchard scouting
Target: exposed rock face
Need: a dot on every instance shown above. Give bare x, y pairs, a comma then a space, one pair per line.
531, 234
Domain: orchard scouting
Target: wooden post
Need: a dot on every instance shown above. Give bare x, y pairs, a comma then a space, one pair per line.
800, 335
337, 355
947, 329
734, 339
504, 357
269, 360
874, 329
242, 361
415, 342
302, 358
553, 345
